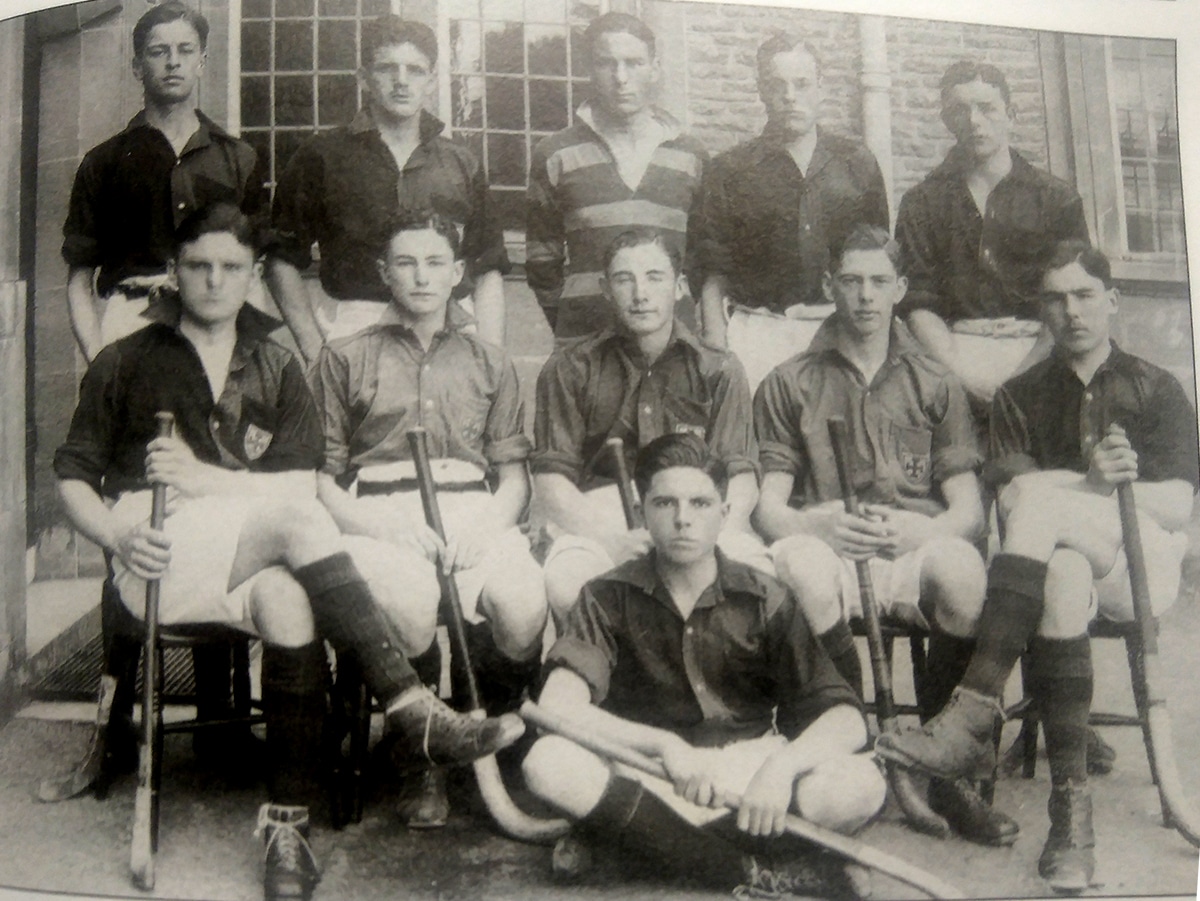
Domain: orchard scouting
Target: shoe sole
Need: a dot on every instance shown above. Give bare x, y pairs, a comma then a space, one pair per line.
901, 759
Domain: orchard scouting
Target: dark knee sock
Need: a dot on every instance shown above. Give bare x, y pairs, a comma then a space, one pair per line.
1060, 681
502, 681
348, 618
212, 665
428, 665
294, 682
641, 823
839, 645
945, 665
1011, 613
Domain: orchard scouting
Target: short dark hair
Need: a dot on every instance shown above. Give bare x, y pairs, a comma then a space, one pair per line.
390, 30
170, 11
1093, 260
781, 42
220, 217
674, 450
965, 71
866, 237
618, 23
415, 220
636, 237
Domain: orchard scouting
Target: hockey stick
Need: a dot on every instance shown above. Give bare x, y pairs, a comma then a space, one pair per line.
850, 848
1177, 812
145, 803
916, 810
507, 815
616, 448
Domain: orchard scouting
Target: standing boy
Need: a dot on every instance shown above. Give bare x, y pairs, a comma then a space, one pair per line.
342, 190
624, 163
1065, 434
772, 211
132, 191
245, 542
974, 234
418, 367
645, 377
709, 666
912, 457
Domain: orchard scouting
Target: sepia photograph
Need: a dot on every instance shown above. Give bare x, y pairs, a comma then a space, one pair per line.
615, 449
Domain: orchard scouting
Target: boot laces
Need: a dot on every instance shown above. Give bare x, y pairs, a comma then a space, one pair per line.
768, 882
290, 850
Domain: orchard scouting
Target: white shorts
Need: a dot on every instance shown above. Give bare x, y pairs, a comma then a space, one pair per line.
762, 340
204, 534
897, 583
460, 511
1112, 595
996, 355
736, 764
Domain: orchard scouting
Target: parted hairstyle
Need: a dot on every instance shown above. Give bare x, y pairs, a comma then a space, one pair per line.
866, 237
675, 450
965, 71
636, 237
618, 23
781, 42
170, 11
415, 220
390, 30
1093, 261
220, 217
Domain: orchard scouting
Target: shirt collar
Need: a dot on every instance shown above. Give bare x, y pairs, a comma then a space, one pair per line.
203, 136
457, 318
732, 577
429, 127
253, 325
670, 127
901, 342
1116, 361
680, 334
772, 142
957, 164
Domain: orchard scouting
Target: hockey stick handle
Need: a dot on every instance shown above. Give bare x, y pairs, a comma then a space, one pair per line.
418, 442
616, 447
848, 847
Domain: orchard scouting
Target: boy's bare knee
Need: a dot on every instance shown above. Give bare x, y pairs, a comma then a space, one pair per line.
565, 576
813, 571
842, 793
566, 775
1068, 596
955, 577
280, 609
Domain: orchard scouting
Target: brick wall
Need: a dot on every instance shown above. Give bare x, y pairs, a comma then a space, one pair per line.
723, 106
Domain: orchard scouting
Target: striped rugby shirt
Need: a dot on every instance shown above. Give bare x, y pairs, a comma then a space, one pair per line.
578, 204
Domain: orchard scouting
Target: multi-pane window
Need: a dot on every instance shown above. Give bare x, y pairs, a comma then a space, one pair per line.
1143, 102
298, 65
517, 73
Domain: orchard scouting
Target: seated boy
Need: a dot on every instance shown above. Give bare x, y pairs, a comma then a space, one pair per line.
419, 367
645, 377
710, 666
245, 542
913, 456
1065, 434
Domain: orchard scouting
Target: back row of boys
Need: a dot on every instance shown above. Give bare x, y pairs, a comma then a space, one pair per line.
790, 217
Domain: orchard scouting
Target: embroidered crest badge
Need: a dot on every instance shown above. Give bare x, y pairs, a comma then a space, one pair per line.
256, 442
684, 428
916, 466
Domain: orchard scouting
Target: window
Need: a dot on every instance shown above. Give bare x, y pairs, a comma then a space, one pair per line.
299, 60
516, 73
1143, 107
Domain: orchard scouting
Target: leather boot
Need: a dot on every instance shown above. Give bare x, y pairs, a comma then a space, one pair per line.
1068, 859
969, 815
956, 742
423, 803
290, 871
433, 732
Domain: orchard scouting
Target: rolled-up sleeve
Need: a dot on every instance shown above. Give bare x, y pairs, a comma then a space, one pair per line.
1009, 452
81, 247
955, 447
558, 422
588, 646
330, 380
731, 434
708, 240
483, 237
298, 206
777, 425
922, 254
504, 438
88, 449
545, 233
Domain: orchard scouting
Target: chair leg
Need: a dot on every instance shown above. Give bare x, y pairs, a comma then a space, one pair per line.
242, 701
360, 735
